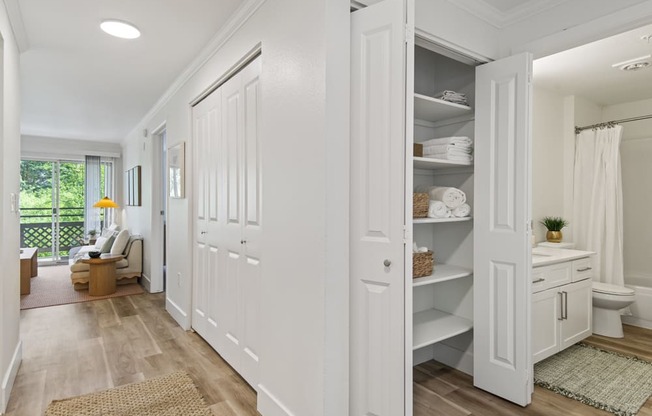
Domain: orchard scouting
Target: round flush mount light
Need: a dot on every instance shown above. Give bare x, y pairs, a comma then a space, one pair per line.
120, 29
635, 66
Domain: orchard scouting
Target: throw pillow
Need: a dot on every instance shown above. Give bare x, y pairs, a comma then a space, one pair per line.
100, 242
106, 247
120, 242
111, 230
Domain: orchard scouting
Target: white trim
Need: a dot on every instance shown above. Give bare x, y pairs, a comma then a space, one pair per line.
244, 12
10, 376
146, 282
17, 24
636, 321
177, 313
499, 19
270, 405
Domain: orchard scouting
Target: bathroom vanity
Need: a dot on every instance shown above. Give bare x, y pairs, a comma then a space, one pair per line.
561, 299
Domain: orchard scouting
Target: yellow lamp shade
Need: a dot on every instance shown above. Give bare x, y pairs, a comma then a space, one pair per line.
105, 203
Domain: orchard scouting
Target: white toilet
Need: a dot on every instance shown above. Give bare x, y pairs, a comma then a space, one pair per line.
608, 300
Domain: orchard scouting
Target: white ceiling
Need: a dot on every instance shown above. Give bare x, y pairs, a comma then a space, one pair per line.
80, 83
587, 70
502, 13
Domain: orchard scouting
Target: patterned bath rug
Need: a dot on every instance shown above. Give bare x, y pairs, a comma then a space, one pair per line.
602, 379
172, 395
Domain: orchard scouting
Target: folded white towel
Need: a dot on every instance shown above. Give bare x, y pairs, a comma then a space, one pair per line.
453, 157
457, 140
437, 209
452, 197
441, 148
463, 210
416, 249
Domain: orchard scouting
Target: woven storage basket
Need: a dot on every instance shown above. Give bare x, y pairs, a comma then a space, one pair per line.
422, 264
420, 203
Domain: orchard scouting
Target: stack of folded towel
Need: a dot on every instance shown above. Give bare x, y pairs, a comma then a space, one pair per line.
416, 249
453, 97
446, 202
456, 148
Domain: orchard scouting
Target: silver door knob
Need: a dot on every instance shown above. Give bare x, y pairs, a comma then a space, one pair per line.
243, 241
203, 232
387, 263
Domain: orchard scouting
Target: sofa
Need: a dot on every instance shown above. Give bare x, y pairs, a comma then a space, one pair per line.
128, 269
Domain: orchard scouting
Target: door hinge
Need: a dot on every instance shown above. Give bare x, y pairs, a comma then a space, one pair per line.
409, 33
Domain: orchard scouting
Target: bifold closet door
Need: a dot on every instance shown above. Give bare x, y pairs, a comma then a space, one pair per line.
377, 360
228, 220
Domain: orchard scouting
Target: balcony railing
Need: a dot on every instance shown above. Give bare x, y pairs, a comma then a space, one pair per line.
36, 229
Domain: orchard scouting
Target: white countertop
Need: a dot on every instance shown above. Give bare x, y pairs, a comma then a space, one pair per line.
542, 256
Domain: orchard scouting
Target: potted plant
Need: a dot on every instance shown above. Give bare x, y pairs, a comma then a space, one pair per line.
554, 226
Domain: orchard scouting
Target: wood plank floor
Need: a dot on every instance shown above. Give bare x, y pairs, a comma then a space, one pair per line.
80, 348
442, 391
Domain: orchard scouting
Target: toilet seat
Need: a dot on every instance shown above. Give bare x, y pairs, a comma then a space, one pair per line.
610, 289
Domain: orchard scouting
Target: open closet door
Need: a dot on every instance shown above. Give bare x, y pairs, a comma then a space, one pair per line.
377, 210
502, 260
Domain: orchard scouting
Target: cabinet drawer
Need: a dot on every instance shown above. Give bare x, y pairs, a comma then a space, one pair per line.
554, 275
582, 269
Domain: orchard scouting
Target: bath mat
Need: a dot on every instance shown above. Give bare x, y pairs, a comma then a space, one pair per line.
602, 379
173, 394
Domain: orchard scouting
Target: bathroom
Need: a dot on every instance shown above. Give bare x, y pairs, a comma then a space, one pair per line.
582, 87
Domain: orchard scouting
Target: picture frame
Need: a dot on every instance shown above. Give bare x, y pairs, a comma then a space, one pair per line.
133, 188
176, 170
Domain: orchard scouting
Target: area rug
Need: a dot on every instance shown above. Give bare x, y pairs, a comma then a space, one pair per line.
52, 287
602, 379
173, 394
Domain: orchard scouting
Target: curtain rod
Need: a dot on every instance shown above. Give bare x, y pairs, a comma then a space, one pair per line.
611, 123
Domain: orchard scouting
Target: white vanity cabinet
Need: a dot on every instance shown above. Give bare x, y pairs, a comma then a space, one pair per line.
561, 306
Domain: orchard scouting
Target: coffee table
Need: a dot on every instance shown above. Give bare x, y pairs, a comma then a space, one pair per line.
28, 268
102, 274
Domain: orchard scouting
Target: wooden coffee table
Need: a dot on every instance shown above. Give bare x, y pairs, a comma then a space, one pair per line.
102, 274
28, 268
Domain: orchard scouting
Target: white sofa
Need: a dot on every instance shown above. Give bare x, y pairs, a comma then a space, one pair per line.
128, 269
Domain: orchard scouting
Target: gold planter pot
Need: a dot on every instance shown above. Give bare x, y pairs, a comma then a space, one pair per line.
554, 236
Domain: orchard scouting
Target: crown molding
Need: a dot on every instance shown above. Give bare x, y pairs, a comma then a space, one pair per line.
17, 24
499, 19
239, 17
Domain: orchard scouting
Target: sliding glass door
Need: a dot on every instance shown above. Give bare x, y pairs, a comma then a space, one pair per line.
52, 206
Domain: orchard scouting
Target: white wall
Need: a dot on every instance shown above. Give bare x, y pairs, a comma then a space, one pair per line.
61, 148
305, 198
10, 349
548, 175
636, 157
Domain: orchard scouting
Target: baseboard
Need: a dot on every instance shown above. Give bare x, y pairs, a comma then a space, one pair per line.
269, 405
177, 313
635, 321
422, 355
146, 282
10, 377
460, 360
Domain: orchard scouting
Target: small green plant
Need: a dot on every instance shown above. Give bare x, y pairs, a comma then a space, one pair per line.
554, 223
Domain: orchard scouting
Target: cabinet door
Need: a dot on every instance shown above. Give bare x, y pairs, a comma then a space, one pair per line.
377, 381
545, 323
502, 357
578, 304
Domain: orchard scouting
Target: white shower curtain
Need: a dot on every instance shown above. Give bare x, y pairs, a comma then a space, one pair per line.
598, 201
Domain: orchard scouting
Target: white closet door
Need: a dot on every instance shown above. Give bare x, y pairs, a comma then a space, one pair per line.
250, 268
377, 357
502, 265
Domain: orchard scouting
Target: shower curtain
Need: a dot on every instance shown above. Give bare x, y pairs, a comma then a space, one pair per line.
598, 201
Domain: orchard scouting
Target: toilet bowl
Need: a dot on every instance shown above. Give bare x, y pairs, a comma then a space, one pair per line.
608, 300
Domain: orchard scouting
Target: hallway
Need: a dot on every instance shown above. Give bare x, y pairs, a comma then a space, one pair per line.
75, 349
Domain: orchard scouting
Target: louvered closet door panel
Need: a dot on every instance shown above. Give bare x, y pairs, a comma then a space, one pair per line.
377, 210
249, 296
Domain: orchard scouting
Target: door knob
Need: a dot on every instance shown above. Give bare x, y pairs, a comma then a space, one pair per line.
203, 232
243, 241
387, 263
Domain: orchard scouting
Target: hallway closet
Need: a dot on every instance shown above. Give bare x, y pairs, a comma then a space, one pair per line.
473, 312
227, 220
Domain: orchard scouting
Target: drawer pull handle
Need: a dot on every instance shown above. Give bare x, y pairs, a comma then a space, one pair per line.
539, 280
561, 306
585, 269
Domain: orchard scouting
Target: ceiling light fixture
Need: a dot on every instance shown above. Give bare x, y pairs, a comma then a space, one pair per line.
631, 61
120, 29
635, 66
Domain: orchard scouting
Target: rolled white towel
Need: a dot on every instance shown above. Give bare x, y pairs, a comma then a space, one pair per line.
463, 210
437, 209
452, 197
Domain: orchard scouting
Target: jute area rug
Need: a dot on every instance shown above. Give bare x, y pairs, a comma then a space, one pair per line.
602, 379
171, 395
52, 286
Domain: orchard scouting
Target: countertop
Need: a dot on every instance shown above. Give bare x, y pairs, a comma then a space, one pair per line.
543, 256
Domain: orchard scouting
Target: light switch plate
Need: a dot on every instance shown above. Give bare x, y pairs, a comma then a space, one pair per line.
13, 200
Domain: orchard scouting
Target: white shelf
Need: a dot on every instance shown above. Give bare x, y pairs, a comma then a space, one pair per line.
438, 220
434, 109
442, 273
437, 164
432, 326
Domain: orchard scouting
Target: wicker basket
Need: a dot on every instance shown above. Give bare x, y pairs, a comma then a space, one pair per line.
422, 264
420, 203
